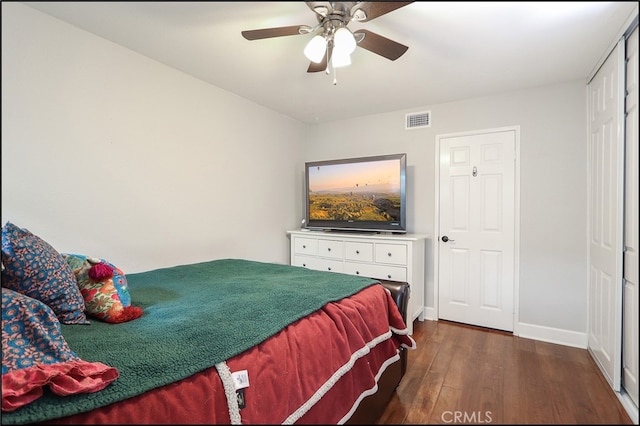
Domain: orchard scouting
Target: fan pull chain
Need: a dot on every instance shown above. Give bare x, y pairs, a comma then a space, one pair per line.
335, 73
326, 70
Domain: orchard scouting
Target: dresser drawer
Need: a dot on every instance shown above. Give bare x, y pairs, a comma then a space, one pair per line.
331, 248
309, 262
308, 246
362, 252
330, 265
394, 254
381, 272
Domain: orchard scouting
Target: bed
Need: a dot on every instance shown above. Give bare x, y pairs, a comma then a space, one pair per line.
227, 341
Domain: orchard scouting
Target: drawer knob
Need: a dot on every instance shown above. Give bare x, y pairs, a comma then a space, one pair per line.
389, 276
357, 272
303, 246
389, 254
357, 251
329, 268
329, 249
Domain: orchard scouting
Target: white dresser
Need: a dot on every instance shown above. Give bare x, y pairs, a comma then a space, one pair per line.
389, 257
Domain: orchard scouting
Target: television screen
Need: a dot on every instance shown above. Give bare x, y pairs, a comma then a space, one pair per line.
364, 194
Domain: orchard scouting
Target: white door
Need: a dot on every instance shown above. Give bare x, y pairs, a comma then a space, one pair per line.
605, 223
630, 269
476, 237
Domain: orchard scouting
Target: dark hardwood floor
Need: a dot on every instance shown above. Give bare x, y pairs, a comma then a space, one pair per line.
464, 374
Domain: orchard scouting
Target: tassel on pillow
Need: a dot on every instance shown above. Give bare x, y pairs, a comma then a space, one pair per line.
100, 272
128, 313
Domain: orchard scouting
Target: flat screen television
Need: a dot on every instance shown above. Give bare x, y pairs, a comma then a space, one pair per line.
357, 194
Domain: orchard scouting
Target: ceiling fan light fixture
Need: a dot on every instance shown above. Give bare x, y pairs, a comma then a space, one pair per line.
315, 49
332, 43
344, 41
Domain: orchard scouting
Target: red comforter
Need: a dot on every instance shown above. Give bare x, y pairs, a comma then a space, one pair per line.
316, 370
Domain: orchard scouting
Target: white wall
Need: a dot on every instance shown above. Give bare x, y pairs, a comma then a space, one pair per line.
108, 153
553, 199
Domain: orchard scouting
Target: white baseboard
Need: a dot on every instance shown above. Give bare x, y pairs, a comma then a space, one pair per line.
532, 331
553, 335
429, 313
630, 407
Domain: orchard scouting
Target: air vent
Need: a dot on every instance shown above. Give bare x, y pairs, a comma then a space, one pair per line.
418, 120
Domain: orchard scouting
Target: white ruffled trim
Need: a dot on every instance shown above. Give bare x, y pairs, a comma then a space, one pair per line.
371, 391
403, 332
295, 416
230, 391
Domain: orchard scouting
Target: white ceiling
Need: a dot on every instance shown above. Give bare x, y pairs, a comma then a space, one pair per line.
457, 50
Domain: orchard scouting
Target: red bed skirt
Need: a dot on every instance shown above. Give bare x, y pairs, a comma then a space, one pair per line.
316, 370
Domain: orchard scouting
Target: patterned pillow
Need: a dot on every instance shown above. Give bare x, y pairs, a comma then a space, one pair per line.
121, 283
28, 323
35, 355
34, 268
104, 288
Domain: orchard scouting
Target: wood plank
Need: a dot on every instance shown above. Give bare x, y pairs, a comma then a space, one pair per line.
467, 374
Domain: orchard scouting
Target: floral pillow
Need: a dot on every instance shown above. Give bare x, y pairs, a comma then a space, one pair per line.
35, 355
34, 268
27, 322
104, 288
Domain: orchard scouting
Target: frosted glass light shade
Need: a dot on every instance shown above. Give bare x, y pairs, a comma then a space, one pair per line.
315, 49
340, 58
344, 40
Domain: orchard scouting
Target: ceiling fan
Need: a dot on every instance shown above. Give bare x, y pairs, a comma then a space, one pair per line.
333, 40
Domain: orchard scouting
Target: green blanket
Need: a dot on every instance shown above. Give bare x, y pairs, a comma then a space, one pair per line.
195, 316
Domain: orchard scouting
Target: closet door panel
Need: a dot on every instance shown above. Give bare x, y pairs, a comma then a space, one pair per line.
632, 187
606, 166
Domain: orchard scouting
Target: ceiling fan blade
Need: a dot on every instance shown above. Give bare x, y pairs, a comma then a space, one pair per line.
375, 9
274, 32
381, 45
322, 66
313, 67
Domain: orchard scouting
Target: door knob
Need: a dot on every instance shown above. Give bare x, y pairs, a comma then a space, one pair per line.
445, 239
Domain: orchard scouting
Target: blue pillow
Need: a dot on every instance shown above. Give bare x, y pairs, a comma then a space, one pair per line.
34, 268
35, 355
31, 333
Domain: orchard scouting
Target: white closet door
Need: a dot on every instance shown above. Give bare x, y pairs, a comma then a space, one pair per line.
606, 167
630, 272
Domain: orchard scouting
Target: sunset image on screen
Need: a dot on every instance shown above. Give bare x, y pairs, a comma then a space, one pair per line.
364, 191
